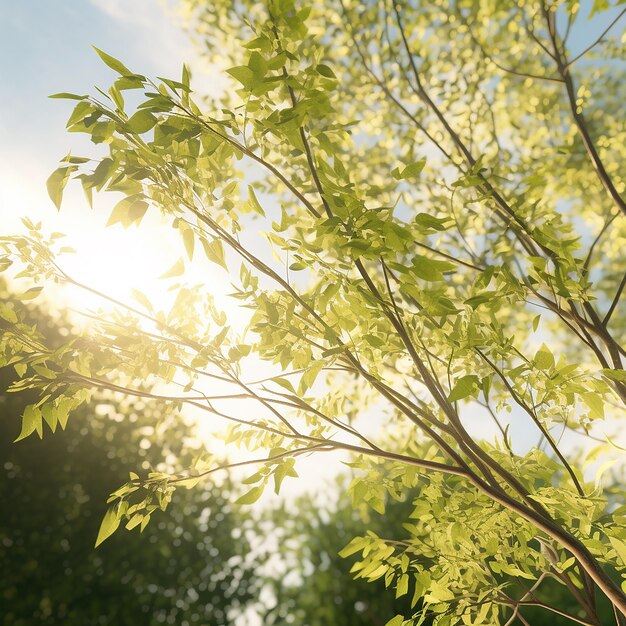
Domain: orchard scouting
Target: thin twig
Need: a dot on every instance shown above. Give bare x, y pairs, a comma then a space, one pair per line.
596, 42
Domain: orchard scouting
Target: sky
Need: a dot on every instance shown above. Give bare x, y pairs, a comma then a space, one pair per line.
45, 47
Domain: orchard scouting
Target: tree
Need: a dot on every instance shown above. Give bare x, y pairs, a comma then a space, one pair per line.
309, 538
440, 186
188, 567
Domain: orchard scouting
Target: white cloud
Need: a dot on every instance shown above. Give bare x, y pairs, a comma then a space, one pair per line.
154, 30
157, 37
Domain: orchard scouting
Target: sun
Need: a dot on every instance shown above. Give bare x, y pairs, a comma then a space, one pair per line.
113, 261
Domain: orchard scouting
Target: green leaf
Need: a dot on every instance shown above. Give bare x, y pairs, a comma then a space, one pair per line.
620, 547
20, 369
251, 496
119, 214
381, 570
135, 520
102, 172
412, 170
142, 121
80, 112
63, 413
599, 6
49, 415
186, 78
189, 240
258, 43
481, 298
127, 211
174, 85
214, 251
464, 387
544, 359
189, 483
117, 97
113, 63
140, 297
429, 269
56, 184
30, 294
244, 75
285, 384
68, 96
254, 201
129, 82
616, 374
325, 71
429, 221
75, 160
402, 588
102, 132
137, 210
355, 545
177, 269
595, 403
282, 471
8, 314
110, 523
398, 620
32, 420
257, 65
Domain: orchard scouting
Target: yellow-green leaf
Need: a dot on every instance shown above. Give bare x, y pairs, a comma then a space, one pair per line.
463, 388
113, 63
176, 270
32, 421
31, 293
251, 496
110, 523
214, 251
142, 121
56, 184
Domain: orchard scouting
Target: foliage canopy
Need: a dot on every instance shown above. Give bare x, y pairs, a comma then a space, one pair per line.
440, 186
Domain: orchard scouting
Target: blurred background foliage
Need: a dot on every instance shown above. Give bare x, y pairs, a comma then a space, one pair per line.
314, 586
186, 567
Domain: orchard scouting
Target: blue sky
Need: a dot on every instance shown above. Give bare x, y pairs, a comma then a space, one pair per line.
45, 47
